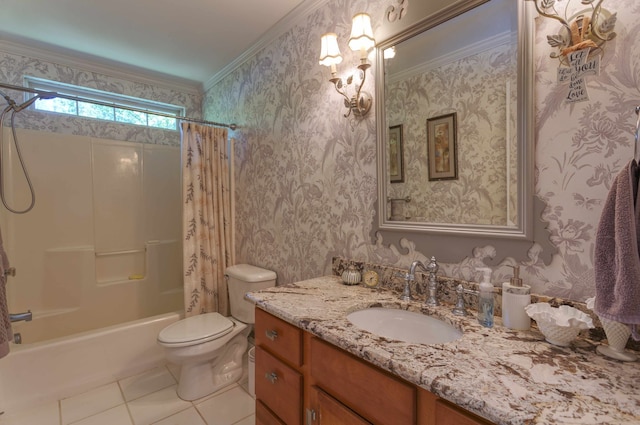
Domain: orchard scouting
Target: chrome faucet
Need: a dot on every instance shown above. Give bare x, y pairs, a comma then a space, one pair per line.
431, 268
432, 286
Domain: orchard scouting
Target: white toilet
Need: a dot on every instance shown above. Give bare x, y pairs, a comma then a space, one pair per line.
210, 347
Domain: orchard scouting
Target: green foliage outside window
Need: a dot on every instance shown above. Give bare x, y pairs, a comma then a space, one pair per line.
119, 112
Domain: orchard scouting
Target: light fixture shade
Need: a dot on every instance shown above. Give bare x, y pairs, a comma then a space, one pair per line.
329, 50
361, 33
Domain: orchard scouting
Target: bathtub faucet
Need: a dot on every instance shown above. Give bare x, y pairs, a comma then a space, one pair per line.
19, 317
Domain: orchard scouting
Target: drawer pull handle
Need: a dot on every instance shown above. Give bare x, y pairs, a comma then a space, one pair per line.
271, 377
272, 335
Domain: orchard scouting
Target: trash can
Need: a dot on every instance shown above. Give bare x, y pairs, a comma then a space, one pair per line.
252, 372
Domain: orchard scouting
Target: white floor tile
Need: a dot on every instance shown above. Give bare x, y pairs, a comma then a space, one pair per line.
146, 383
186, 417
118, 415
227, 408
48, 414
251, 420
90, 403
215, 394
155, 406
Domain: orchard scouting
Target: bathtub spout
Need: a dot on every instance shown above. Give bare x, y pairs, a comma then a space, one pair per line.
19, 317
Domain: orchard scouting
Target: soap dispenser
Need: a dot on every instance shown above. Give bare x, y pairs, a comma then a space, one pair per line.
515, 297
485, 299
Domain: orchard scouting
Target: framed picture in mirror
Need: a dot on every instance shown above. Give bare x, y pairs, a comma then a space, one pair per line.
396, 154
442, 149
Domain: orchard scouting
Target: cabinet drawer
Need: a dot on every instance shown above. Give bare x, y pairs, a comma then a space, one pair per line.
279, 387
264, 416
372, 393
279, 337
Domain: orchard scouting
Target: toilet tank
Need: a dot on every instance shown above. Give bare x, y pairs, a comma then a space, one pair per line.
243, 278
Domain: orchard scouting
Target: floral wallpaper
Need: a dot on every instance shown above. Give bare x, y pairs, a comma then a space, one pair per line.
13, 67
305, 177
476, 89
306, 180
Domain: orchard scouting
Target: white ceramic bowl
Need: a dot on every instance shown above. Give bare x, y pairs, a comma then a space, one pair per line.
559, 325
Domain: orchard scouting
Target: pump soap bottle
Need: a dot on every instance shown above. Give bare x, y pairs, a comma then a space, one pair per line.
485, 299
515, 297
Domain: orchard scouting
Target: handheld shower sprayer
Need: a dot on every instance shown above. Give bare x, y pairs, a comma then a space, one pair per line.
13, 108
26, 104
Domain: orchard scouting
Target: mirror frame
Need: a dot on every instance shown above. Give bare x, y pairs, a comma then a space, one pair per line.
453, 242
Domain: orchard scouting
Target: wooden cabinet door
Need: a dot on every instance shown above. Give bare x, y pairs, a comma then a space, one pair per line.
447, 414
264, 416
330, 411
376, 395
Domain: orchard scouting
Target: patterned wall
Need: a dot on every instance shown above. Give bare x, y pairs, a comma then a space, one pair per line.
476, 89
306, 181
13, 67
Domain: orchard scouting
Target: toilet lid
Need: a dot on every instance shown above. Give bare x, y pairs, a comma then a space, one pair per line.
196, 329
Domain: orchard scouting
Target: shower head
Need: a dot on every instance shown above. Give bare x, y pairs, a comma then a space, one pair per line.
40, 95
18, 108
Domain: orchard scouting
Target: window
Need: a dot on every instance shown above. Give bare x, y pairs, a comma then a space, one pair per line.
105, 106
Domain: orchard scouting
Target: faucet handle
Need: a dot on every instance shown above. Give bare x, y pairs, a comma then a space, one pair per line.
460, 309
406, 292
405, 276
433, 266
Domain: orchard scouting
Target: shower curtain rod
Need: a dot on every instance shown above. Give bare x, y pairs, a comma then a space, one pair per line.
48, 94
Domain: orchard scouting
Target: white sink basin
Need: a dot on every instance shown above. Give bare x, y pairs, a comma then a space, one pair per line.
402, 325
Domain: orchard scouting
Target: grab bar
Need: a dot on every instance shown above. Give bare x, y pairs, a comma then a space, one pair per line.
108, 253
21, 317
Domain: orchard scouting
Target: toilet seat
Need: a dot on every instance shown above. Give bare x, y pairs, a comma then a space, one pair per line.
195, 330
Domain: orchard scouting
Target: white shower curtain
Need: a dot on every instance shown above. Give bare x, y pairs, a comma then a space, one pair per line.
207, 220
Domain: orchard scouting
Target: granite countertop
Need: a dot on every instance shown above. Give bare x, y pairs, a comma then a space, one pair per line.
506, 376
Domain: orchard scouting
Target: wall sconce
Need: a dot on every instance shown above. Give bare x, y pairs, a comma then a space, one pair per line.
591, 27
361, 40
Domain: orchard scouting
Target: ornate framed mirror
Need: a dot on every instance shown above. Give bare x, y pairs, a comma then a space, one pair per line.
455, 119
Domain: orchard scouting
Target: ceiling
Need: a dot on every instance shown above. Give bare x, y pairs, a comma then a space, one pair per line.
193, 40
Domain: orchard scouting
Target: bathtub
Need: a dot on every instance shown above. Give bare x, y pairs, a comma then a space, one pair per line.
38, 373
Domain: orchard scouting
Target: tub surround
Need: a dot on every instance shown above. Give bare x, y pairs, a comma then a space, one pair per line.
506, 376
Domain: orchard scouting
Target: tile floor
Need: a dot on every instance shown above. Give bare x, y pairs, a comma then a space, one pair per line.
144, 399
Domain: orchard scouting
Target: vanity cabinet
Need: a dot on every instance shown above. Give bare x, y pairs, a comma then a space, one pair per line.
300, 378
448, 414
279, 378
329, 411
369, 391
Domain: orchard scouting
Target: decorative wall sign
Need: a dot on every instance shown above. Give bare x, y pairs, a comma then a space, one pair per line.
579, 67
580, 42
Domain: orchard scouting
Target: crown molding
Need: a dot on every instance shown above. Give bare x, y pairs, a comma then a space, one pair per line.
470, 50
282, 26
42, 51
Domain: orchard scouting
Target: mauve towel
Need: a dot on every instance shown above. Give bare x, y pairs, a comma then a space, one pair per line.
6, 334
617, 254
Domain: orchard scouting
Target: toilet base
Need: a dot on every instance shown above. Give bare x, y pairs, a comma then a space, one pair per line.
200, 379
